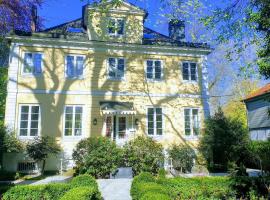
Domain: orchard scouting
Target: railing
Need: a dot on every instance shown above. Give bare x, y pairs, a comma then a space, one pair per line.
29, 167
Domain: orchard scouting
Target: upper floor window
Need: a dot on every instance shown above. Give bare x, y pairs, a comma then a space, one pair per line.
154, 70
154, 121
32, 63
192, 123
29, 120
73, 121
74, 66
116, 68
116, 27
190, 71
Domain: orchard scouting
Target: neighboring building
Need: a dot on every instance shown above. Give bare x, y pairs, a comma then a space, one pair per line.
107, 74
258, 111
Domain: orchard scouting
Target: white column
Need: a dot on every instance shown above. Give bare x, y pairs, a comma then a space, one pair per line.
205, 88
12, 89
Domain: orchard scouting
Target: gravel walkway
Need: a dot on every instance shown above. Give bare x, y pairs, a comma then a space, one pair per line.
115, 189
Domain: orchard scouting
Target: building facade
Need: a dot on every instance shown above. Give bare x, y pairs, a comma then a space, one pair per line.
106, 74
258, 112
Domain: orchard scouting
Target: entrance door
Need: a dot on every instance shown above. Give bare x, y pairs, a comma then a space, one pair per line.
116, 127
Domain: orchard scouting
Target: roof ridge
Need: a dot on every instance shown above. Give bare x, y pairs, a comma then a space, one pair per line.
61, 25
261, 91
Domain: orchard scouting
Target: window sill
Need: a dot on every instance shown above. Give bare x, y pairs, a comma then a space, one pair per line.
72, 138
192, 138
116, 35
155, 80
24, 138
32, 75
116, 79
156, 137
75, 78
190, 82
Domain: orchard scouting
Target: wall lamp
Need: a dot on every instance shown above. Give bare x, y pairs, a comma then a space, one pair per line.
136, 122
95, 121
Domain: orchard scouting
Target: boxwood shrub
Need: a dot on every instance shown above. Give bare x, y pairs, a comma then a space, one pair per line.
37, 192
53, 191
155, 196
146, 186
82, 193
84, 180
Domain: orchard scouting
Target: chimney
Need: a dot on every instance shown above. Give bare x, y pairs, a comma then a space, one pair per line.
177, 30
34, 18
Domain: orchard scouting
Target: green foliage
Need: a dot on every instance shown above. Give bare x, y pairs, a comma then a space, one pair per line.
3, 89
145, 185
224, 140
245, 187
37, 192
155, 195
143, 154
84, 180
8, 143
82, 193
55, 191
97, 156
183, 157
41, 147
261, 152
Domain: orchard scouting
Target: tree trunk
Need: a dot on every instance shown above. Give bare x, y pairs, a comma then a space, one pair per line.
43, 166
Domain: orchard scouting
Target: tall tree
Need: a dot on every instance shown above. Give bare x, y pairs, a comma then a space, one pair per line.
246, 23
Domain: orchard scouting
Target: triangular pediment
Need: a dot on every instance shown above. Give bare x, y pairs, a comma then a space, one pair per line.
122, 6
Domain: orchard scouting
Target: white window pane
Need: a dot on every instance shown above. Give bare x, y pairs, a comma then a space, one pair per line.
70, 66
79, 68
185, 71
37, 63
28, 63
34, 132
68, 132
120, 26
23, 132
193, 71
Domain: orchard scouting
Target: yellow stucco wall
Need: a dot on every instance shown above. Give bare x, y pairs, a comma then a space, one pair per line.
95, 79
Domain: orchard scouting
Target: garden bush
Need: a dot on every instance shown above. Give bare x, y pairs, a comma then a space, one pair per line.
51, 191
143, 154
181, 188
224, 140
37, 192
82, 193
97, 156
183, 157
84, 180
155, 196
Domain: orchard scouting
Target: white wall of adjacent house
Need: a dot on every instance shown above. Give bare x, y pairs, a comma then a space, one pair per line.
260, 134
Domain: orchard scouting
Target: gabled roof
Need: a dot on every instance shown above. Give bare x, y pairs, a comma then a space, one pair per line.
260, 92
75, 30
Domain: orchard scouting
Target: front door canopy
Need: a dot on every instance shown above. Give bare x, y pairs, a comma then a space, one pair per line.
117, 108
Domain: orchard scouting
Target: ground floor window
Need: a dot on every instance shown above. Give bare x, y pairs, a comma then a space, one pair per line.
154, 121
29, 120
192, 123
73, 120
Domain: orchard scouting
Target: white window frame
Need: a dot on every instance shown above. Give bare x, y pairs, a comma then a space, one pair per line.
23, 64
75, 58
192, 136
163, 122
73, 136
162, 71
115, 34
189, 71
29, 121
108, 69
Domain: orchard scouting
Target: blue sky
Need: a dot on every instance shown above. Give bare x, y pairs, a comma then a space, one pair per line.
55, 12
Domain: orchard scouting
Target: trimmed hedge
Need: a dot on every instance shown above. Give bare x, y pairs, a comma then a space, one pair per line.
37, 192
53, 191
84, 180
82, 193
145, 186
155, 196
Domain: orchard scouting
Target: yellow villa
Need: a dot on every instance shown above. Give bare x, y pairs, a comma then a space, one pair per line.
106, 74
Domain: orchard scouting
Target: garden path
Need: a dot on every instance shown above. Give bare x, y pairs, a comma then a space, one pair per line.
115, 189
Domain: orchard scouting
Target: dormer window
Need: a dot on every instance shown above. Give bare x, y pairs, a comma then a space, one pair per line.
116, 27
